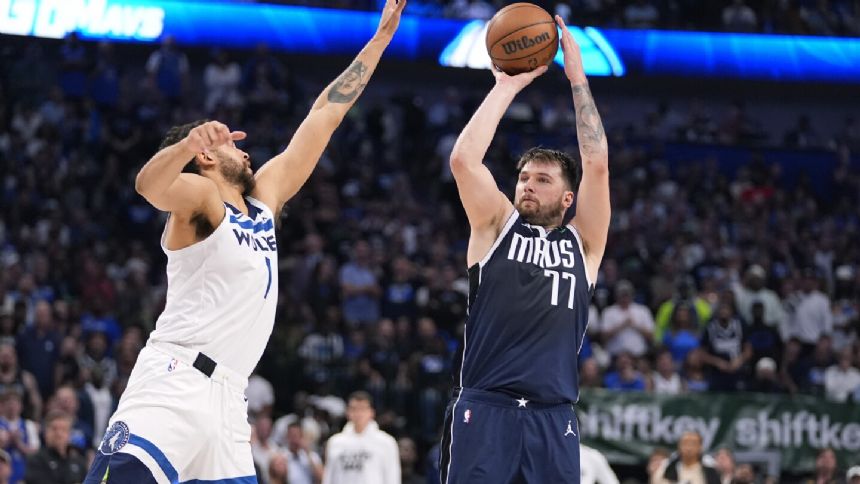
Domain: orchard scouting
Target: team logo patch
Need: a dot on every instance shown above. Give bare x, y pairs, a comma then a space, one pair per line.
115, 438
172, 365
467, 416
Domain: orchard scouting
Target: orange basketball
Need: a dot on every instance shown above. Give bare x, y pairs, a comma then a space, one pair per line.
521, 37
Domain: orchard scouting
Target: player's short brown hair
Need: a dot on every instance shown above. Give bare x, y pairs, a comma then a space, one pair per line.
570, 169
361, 396
178, 133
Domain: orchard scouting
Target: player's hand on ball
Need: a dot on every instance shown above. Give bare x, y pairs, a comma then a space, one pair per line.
518, 81
390, 18
211, 135
572, 56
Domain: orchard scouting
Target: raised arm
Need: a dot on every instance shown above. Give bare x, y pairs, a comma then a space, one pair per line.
592, 206
485, 205
282, 176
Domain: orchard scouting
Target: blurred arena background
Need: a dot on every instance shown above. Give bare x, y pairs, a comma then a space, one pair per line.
735, 168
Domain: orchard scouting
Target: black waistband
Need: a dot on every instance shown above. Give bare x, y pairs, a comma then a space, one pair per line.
506, 400
205, 364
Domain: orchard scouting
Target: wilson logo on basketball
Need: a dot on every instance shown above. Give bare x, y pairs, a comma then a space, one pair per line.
524, 43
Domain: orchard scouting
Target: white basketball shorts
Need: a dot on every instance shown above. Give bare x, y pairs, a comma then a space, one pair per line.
181, 425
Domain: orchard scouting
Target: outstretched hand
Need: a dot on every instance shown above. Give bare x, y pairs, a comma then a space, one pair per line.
572, 56
390, 18
518, 81
211, 135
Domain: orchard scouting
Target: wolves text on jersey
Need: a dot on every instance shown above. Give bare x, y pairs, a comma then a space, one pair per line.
266, 243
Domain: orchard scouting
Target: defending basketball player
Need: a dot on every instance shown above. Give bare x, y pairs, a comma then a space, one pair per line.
531, 278
183, 416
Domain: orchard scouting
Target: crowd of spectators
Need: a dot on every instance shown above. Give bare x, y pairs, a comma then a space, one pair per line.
711, 281
813, 17
690, 463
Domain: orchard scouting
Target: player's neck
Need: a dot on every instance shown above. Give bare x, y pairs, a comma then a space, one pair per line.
549, 226
232, 195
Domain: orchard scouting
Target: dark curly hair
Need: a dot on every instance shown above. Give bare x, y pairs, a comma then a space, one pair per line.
178, 133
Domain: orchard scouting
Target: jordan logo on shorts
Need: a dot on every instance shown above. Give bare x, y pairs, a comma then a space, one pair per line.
467, 416
569, 430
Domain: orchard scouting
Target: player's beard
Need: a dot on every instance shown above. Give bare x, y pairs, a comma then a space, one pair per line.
542, 215
236, 174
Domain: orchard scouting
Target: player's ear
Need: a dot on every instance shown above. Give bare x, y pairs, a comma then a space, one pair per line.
205, 159
567, 200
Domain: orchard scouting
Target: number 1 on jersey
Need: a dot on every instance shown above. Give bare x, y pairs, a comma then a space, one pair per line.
555, 286
269, 271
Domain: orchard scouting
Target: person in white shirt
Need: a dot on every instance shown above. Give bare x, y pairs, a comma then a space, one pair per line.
665, 379
263, 446
812, 316
221, 78
21, 435
688, 465
627, 326
260, 395
304, 465
594, 468
853, 475
752, 291
361, 453
842, 380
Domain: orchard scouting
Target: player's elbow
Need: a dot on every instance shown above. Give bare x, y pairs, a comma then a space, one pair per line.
458, 163
455, 162
140, 184
596, 166
145, 187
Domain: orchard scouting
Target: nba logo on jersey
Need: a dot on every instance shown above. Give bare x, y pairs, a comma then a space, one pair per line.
115, 438
172, 365
467, 416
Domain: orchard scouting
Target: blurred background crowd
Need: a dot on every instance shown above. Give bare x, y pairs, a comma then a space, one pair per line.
816, 17
717, 277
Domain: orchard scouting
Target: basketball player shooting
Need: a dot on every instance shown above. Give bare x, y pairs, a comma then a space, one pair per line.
531, 278
183, 416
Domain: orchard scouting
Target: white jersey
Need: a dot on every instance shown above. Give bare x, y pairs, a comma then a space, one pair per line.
222, 291
594, 468
371, 457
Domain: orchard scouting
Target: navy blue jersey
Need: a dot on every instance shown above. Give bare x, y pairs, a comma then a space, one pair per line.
528, 311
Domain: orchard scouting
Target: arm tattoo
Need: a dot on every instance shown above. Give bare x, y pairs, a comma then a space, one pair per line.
349, 85
589, 128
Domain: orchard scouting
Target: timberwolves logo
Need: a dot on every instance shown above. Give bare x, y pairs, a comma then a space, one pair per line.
115, 438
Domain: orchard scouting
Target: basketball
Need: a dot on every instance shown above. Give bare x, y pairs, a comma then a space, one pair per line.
521, 37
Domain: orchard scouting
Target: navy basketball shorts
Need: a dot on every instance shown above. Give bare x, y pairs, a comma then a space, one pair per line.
496, 438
